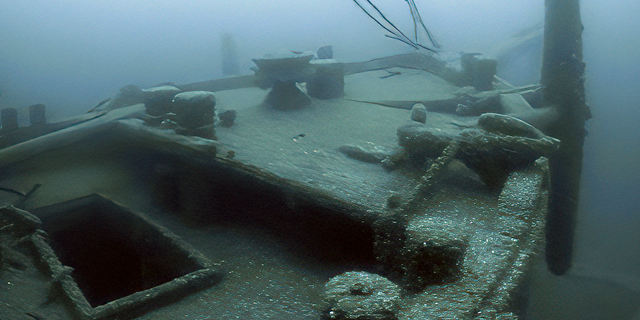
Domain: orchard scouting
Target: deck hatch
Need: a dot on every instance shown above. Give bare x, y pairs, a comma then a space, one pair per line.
123, 264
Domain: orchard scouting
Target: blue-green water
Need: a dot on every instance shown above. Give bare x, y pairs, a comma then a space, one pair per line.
70, 55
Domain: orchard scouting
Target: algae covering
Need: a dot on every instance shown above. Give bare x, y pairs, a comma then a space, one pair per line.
340, 208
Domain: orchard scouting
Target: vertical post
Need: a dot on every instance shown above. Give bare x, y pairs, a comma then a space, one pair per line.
230, 66
563, 79
9, 118
37, 114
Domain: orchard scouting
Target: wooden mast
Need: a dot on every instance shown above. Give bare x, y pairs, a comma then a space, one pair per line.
562, 76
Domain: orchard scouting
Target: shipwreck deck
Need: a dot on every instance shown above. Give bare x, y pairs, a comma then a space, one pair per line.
284, 200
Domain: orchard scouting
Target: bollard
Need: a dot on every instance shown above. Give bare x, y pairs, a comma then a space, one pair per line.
37, 114
476, 72
325, 52
9, 119
285, 95
327, 82
484, 73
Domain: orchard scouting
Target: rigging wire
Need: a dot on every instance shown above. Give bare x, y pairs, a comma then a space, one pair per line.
396, 33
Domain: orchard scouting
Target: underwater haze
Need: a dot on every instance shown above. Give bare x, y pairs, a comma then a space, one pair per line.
71, 54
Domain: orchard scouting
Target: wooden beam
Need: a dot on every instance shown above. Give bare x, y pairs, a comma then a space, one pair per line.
563, 79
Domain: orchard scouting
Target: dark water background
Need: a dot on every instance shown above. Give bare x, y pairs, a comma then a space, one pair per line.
71, 54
